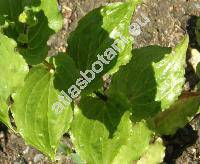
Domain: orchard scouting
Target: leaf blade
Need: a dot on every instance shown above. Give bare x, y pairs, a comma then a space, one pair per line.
96, 33
177, 116
154, 154
153, 80
33, 105
13, 71
103, 133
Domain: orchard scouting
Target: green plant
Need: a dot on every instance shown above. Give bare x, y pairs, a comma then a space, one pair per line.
118, 125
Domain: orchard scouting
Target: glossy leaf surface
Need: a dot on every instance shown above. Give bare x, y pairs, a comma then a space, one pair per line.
13, 71
37, 122
153, 79
103, 132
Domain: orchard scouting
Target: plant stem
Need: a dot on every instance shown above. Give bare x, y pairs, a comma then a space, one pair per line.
48, 65
101, 96
189, 94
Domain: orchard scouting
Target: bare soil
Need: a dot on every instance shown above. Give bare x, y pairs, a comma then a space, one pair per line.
169, 21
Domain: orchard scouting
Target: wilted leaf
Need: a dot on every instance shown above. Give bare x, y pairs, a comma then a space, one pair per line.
177, 116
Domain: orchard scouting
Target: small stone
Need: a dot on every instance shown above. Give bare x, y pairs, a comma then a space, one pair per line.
38, 158
26, 150
1, 135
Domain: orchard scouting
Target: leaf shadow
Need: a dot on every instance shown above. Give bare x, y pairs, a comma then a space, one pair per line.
86, 42
143, 95
178, 144
66, 72
138, 83
34, 3
109, 112
191, 77
36, 49
140, 94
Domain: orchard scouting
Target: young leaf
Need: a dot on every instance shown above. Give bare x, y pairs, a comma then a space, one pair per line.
103, 133
13, 70
97, 32
51, 11
10, 10
37, 122
30, 26
4, 23
154, 154
153, 79
36, 49
177, 116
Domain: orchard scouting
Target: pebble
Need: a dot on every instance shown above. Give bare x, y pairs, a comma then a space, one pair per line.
26, 150
38, 158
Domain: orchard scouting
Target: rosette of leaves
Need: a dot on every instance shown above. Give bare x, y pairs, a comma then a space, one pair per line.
144, 93
38, 87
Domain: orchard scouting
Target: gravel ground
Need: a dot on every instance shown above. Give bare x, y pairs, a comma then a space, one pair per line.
169, 21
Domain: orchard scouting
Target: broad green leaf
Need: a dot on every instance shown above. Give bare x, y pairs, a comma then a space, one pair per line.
103, 133
177, 116
39, 124
97, 32
13, 70
154, 154
13, 67
138, 143
50, 8
153, 79
197, 30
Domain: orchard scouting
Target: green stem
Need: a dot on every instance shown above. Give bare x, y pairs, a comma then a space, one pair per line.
101, 96
48, 65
